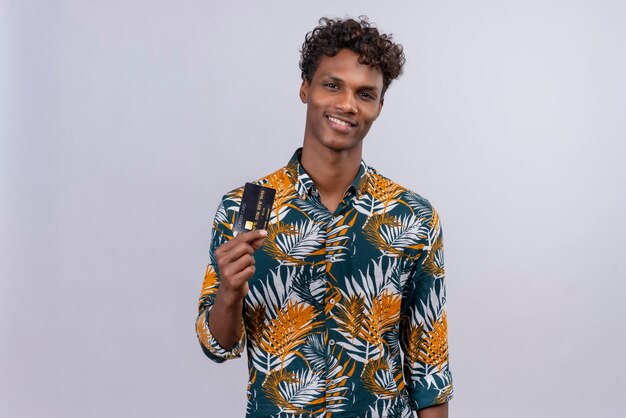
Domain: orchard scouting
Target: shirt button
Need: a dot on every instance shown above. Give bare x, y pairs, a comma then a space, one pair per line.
332, 301
331, 342
332, 259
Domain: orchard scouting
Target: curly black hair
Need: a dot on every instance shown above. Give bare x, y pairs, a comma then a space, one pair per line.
333, 35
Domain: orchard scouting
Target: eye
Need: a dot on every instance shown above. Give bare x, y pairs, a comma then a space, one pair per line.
366, 95
330, 85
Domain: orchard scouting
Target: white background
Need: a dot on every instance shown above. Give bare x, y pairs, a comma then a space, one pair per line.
123, 123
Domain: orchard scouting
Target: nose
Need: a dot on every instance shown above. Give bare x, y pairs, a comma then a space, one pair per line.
346, 102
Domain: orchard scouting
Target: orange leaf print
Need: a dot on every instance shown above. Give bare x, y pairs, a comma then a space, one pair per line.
351, 314
202, 330
412, 344
435, 346
378, 379
271, 243
430, 263
289, 329
271, 390
210, 283
383, 189
255, 322
283, 185
373, 235
382, 317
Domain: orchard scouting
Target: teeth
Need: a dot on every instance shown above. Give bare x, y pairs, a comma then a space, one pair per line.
339, 122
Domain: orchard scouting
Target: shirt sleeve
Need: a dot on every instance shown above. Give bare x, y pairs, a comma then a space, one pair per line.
424, 330
221, 233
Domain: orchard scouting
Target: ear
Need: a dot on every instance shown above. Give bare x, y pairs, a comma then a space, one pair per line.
380, 107
304, 91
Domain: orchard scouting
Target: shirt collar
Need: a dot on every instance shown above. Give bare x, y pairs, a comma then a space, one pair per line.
304, 184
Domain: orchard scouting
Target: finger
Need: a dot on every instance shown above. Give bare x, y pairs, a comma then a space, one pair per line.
252, 236
234, 268
239, 280
244, 275
258, 243
246, 237
235, 253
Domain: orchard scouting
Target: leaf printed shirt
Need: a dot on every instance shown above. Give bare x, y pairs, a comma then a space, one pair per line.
345, 313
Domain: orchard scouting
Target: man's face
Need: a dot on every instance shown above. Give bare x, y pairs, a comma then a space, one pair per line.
343, 100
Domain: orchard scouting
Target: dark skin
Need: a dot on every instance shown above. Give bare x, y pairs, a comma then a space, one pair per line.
236, 266
343, 100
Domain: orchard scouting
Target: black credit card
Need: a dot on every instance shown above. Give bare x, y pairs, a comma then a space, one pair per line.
255, 209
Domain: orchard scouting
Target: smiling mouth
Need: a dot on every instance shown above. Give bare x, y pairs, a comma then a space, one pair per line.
340, 122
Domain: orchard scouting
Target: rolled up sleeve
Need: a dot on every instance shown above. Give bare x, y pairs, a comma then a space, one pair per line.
424, 331
221, 233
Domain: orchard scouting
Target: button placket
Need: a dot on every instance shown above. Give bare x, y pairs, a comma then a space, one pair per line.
328, 267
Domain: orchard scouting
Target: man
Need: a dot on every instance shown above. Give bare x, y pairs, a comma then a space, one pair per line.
341, 300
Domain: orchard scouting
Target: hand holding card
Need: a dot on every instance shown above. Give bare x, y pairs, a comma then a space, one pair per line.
236, 264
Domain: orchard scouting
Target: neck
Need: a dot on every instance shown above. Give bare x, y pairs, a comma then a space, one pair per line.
331, 171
